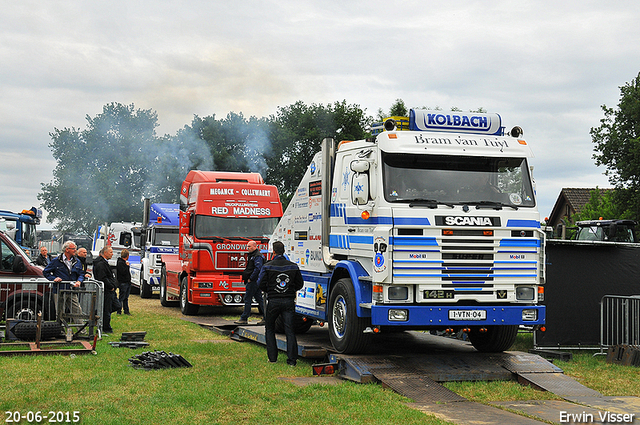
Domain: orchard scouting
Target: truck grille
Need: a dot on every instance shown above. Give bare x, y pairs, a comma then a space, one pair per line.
466, 258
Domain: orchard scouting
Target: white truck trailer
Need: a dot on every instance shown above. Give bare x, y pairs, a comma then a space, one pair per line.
434, 228
160, 237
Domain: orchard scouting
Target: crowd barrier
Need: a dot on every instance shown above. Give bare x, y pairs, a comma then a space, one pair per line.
619, 321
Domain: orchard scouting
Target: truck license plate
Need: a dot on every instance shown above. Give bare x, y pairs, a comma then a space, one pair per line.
467, 315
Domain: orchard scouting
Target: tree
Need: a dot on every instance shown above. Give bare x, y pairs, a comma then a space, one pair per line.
104, 172
296, 134
398, 109
601, 204
617, 147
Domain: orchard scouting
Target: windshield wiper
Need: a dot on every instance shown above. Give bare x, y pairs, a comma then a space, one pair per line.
496, 205
420, 202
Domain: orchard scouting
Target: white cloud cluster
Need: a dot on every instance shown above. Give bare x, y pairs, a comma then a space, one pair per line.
546, 66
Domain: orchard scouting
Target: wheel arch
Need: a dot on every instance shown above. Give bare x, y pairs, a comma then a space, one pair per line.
354, 271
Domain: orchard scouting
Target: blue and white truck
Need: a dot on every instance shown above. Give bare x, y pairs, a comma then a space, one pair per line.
22, 228
433, 228
160, 236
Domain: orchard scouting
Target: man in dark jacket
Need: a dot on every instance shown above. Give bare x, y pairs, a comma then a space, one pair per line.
250, 278
280, 280
123, 275
44, 258
102, 272
66, 272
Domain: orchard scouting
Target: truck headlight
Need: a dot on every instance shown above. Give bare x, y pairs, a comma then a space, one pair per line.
398, 293
397, 315
208, 285
525, 293
529, 315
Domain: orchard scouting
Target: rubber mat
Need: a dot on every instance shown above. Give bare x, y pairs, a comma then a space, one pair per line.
559, 384
419, 388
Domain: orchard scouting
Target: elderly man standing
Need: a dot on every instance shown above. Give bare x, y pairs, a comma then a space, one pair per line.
102, 272
66, 271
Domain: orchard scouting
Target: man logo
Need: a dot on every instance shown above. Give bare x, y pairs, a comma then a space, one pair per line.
282, 282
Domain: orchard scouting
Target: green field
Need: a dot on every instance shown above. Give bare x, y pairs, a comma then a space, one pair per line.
232, 382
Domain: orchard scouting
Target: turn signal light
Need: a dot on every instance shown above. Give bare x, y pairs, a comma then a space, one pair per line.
487, 232
447, 232
365, 215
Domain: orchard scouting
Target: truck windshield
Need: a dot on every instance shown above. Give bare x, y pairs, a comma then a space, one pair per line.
439, 179
208, 227
166, 237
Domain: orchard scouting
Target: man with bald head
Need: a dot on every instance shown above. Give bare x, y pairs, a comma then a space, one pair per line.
250, 278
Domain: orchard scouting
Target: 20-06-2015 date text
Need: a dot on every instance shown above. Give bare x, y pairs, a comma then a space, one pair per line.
38, 417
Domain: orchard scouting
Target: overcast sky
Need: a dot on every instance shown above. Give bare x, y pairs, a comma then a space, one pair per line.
545, 66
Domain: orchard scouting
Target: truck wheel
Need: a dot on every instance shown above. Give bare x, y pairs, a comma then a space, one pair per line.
163, 290
495, 339
145, 289
186, 307
345, 327
24, 307
300, 324
26, 331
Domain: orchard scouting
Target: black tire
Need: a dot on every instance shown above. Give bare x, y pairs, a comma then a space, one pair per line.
345, 327
24, 307
26, 331
300, 324
163, 290
145, 288
495, 339
186, 307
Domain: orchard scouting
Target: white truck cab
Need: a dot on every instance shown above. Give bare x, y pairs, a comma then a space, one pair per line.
434, 228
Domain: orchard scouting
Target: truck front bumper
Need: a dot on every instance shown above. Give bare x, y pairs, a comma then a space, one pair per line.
453, 316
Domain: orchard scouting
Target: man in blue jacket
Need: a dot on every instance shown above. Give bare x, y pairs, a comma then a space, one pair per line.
66, 272
280, 280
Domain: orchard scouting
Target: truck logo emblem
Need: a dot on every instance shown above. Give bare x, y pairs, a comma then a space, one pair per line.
467, 221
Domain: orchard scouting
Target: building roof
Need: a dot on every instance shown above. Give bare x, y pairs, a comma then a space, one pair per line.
575, 198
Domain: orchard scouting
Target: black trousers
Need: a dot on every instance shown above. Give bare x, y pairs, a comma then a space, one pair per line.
286, 308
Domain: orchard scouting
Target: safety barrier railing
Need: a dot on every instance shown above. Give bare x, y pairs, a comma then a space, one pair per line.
22, 301
79, 310
619, 321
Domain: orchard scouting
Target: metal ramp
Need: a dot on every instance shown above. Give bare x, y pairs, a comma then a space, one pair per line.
414, 364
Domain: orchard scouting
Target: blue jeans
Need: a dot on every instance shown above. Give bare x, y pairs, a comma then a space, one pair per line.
252, 292
285, 307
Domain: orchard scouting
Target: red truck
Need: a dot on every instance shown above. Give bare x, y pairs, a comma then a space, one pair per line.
219, 213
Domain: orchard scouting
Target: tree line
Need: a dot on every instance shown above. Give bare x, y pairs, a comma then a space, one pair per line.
104, 171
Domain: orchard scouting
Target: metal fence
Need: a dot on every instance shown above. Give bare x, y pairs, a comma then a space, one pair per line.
619, 321
22, 301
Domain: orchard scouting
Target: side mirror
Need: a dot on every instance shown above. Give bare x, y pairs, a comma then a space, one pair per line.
360, 189
185, 223
18, 265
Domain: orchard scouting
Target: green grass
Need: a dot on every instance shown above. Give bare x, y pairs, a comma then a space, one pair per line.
232, 382
229, 382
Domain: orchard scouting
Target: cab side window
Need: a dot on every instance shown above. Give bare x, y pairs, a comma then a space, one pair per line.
6, 257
